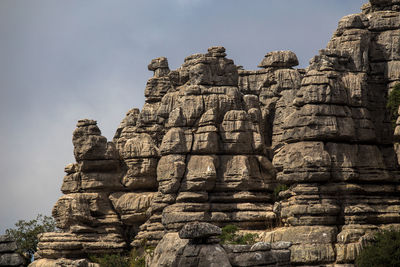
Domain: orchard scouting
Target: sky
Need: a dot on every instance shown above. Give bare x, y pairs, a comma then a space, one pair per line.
61, 61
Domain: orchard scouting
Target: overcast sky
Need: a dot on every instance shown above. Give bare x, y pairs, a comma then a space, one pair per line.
61, 61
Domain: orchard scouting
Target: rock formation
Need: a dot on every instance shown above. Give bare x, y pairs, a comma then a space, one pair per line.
212, 143
201, 249
8, 254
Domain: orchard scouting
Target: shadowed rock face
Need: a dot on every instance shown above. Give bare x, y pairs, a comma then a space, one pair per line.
8, 254
202, 249
212, 142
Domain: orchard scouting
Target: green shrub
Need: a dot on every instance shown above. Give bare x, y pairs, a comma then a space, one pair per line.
393, 103
230, 236
279, 188
26, 233
384, 251
111, 260
137, 258
139, 255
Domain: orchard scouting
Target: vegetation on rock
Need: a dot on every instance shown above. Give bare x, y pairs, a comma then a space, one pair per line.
230, 236
384, 250
279, 188
26, 233
137, 258
111, 260
393, 104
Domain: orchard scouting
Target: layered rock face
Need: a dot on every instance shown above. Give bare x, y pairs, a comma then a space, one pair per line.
196, 152
337, 149
209, 150
8, 254
197, 245
201, 149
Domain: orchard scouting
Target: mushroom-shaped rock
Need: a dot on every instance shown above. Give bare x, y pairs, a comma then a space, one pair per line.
159, 66
279, 59
216, 51
199, 230
89, 144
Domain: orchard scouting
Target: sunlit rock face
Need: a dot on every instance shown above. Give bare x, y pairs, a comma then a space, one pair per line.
213, 141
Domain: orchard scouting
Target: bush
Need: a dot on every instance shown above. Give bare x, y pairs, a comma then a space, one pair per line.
279, 188
229, 236
139, 255
384, 251
26, 234
137, 258
111, 260
393, 104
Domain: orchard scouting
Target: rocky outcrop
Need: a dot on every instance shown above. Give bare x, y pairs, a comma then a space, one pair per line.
202, 249
337, 154
213, 142
98, 213
61, 262
8, 254
212, 165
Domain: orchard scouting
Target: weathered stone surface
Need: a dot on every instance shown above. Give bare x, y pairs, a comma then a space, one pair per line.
63, 262
7, 247
11, 259
199, 231
282, 59
165, 254
132, 207
8, 254
173, 251
69, 245
89, 144
213, 143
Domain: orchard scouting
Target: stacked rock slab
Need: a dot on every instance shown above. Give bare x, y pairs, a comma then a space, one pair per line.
98, 212
337, 154
274, 87
213, 165
196, 152
89, 222
197, 245
8, 254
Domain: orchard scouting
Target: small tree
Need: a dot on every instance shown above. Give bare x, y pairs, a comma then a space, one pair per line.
26, 233
393, 104
384, 251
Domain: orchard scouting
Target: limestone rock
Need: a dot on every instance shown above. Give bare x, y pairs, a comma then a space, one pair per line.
280, 59
8, 254
89, 144
310, 154
383, 3
165, 254
199, 231
79, 245
129, 121
159, 66
132, 207
173, 251
63, 262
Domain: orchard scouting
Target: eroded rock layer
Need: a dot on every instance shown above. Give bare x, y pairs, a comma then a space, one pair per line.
213, 142
336, 152
8, 253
